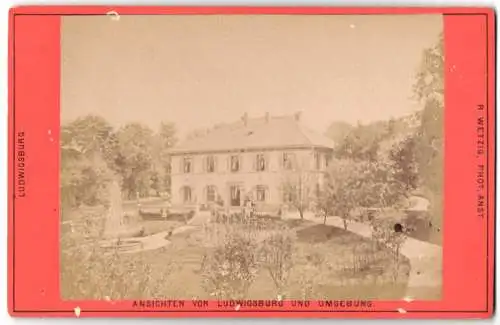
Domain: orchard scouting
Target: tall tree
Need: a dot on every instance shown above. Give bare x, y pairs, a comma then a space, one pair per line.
167, 137
404, 162
298, 184
135, 158
87, 148
429, 90
362, 142
351, 184
337, 131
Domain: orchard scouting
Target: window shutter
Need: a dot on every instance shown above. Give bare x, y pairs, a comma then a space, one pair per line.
215, 163
254, 166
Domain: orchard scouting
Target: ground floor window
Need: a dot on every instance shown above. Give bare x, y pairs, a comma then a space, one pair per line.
186, 194
288, 197
261, 193
211, 193
235, 195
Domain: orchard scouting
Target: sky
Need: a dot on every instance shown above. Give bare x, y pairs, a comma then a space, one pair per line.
200, 70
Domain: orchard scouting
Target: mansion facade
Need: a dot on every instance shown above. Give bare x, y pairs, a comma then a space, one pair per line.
252, 158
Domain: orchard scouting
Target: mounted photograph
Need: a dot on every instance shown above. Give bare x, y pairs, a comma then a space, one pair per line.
240, 157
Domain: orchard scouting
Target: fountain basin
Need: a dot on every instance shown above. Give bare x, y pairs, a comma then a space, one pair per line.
122, 245
128, 232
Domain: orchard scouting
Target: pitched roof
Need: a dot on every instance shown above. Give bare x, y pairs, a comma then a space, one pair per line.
257, 133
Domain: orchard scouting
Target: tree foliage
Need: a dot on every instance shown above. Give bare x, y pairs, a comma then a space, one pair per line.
232, 265
166, 138
352, 184
429, 84
87, 147
93, 153
361, 143
429, 90
404, 162
297, 187
278, 250
339, 194
135, 158
337, 131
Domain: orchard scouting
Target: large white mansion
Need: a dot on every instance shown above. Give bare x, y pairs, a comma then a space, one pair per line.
251, 157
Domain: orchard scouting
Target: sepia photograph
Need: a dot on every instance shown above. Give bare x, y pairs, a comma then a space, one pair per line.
231, 157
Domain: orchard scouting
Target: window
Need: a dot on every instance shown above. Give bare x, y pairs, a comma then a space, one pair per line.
261, 193
186, 194
235, 163
235, 195
211, 193
288, 197
317, 160
328, 158
210, 164
187, 165
261, 163
288, 159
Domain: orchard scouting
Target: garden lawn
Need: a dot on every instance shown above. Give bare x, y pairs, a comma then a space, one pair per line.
350, 267
328, 263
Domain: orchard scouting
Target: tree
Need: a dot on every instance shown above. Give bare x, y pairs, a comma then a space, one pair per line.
338, 194
429, 83
297, 185
83, 180
163, 141
337, 131
365, 141
362, 142
403, 157
429, 90
232, 265
350, 184
135, 158
324, 204
278, 249
167, 138
89, 135
377, 186
87, 148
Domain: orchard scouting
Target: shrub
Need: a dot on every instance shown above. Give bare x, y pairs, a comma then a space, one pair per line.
231, 266
310, 271
386, 236
277, 251
89, 271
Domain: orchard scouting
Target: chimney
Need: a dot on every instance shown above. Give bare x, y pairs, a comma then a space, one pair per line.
267, 117
297, 116
244, 118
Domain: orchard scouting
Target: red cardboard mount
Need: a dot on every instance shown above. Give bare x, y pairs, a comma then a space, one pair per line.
34, 164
